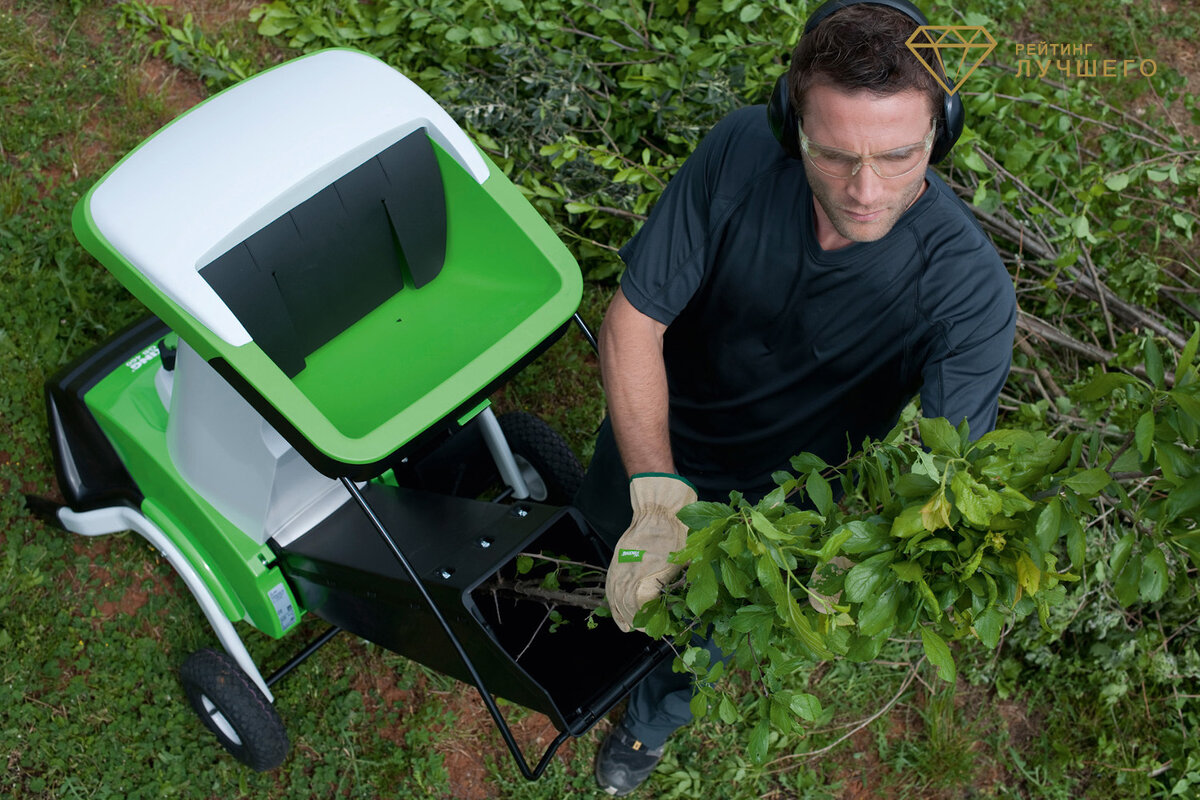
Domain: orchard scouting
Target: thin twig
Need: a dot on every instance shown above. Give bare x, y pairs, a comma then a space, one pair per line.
588, 598
565, 562
1108, 321
1046, 380
536, 630
912, 674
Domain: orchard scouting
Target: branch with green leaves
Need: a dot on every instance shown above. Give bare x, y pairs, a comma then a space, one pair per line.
940, 538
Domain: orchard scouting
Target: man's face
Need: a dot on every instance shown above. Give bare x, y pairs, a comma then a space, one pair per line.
864, 207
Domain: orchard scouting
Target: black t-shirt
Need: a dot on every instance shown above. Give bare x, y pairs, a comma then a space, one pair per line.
775, 346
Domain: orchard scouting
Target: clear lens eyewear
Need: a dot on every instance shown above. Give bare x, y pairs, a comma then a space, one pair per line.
895, 163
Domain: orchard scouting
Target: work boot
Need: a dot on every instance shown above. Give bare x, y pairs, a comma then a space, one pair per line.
623, 763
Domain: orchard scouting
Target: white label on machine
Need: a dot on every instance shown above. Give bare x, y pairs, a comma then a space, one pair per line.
283, 606
143, 358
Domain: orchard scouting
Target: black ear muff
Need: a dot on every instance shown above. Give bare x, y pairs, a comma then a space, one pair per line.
950, 130
786, 125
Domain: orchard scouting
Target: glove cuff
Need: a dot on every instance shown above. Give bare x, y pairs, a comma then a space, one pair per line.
659, 493
663, 475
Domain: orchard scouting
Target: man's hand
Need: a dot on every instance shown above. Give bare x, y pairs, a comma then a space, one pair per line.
640, 569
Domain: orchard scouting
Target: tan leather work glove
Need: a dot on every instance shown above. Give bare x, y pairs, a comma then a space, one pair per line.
639, 569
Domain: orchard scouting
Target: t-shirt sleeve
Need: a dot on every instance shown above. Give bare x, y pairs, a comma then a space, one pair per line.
967, 371
666, 260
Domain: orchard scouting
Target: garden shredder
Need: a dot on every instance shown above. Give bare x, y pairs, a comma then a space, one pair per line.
338, 279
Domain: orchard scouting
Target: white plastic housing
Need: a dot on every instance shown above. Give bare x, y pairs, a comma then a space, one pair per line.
177, 202
235, 460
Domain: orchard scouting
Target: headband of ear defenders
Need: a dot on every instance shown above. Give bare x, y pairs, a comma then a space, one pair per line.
785, 123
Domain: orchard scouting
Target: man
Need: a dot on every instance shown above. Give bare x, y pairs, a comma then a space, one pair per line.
776, 303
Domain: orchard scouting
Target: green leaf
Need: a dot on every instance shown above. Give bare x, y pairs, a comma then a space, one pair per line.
1190, 543
756, 748
1189, 353
936, 545
752, 617
1143, 434
1183, 500
1120, 553
807, 462
765, 527
1117, 181
1049, 522
702, 592
805, 706
1028, 575
908, 522
865, 537
973, 161
1007, 439
1153, 582
653, 618
737, 583
698, 705
727, 711
976, 502
1076, 543
833, 545
931, 601
768, 577
750, 12
524, 564
935, 514
988, 626
819, 492
1013, 502
879, 614
1018, 157
938, 653
1127, 585
863, 578
1089, 483
1154, 363
1081, 227
914, 484
908, 571
1104, 385
805, 633
939, 436
865, 648
1189, 404
699, 516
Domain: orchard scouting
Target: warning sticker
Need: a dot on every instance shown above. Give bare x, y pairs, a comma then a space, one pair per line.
283, 606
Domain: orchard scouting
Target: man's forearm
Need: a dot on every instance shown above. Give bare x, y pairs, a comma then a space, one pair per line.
635, 382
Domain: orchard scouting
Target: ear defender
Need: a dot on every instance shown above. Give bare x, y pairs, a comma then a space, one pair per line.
785, 123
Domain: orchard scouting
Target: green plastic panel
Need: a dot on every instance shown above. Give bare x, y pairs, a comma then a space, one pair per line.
508, 284
232, 565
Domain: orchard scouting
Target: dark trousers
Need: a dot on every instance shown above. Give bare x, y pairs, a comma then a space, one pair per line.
659, 705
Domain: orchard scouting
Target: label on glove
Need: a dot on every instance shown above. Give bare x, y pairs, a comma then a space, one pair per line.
630, 556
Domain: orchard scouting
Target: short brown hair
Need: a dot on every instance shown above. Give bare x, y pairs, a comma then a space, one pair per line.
862, 47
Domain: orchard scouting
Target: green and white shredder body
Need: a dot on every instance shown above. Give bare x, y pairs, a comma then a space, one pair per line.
338, 279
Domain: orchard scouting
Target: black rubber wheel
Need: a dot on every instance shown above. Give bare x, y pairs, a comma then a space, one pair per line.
232, 707
550, 468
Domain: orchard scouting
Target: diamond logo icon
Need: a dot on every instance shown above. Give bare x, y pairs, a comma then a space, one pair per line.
951, 52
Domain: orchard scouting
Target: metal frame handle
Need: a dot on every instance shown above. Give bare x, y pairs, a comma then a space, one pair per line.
476, 678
